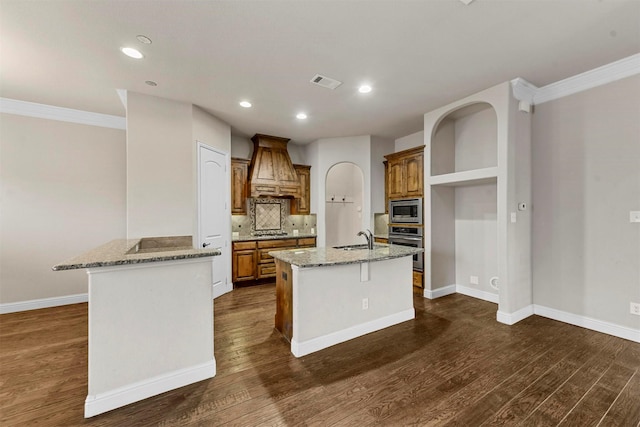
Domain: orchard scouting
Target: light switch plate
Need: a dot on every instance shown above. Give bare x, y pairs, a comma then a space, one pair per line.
634, 216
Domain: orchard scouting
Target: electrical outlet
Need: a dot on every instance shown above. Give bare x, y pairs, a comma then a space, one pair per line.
473, 280
365, 303
635, 308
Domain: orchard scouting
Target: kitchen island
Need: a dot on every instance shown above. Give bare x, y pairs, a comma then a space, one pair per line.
325, 296
150, 318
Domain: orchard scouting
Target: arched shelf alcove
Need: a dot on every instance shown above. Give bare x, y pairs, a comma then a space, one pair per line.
477, 171
463, 161
464, 146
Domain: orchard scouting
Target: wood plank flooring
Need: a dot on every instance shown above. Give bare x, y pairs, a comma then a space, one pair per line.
454, 365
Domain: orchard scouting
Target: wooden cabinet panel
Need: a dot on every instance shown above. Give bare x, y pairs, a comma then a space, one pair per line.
381, 240
414, 167
284, 299
267, 270
405, 173
239, 176
386, 186
277, 243
244, 265
307, 242
239, 246
302, 206
396, 178
417, 279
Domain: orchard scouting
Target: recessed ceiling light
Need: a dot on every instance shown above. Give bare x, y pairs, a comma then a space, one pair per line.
301, 116
143, 39
245, 104
131, 52
151, 83
364, 89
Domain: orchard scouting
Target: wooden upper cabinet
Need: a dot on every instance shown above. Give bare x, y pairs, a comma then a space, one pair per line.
405, 173
414, 167
272, 173
239, 175
386, 186
302, 206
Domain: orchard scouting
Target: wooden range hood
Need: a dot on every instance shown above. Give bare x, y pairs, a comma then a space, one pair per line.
271, 173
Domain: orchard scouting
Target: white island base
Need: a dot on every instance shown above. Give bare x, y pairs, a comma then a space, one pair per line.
150, 330
321, 306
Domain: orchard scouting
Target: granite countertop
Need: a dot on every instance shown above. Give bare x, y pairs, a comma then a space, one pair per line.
116, 253
248, 238
323, 257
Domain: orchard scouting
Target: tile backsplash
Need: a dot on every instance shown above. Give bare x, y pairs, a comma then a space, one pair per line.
264, 218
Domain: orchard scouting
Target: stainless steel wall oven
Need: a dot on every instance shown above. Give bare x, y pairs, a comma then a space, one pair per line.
408, 236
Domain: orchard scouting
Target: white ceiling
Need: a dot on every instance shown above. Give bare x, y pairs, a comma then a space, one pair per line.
417, 55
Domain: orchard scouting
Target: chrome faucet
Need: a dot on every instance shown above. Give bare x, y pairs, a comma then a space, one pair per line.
369, 238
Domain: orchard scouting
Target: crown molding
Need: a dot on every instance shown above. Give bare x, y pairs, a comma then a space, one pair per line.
525, 91
51, 112
617, 70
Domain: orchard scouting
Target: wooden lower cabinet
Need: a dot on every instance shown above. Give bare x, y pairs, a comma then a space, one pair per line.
284, 299
418, 277
251, 259
381, 240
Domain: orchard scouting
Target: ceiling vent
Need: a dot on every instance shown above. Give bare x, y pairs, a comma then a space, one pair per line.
325, 81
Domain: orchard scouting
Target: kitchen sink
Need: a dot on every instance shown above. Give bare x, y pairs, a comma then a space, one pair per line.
354, 247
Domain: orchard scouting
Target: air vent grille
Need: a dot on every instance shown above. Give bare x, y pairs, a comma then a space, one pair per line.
325, 81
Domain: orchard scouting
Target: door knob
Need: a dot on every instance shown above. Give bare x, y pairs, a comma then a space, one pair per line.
204, 245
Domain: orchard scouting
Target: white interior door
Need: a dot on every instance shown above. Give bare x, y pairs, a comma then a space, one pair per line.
214, 219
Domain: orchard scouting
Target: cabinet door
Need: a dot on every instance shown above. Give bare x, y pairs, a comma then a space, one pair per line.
302, 206
386, 186
396, 178
414, 175
244, 265
239, 174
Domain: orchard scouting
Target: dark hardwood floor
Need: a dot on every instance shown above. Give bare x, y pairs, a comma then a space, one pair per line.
453, 365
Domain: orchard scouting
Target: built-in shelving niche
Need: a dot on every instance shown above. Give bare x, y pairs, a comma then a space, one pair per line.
463, 182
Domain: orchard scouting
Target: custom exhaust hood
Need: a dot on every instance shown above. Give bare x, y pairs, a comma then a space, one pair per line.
271, 173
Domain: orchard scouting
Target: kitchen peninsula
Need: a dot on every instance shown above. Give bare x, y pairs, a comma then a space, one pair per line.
150, 318
325, 296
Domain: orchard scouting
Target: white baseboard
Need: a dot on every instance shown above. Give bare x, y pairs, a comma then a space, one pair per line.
103, 402
34, 304
588, 323
440, 292
513, 318
477, 293
464, 290
306, 347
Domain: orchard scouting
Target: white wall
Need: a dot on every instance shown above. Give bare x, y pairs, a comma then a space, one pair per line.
379, 148
63, 193
343, 219
475, 141
586, 179
160, 186
322, 154
409, 141
476, 232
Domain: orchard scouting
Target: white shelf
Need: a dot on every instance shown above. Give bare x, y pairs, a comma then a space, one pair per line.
471, 177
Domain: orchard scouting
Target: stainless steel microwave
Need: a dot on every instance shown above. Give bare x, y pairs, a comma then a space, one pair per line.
405, 211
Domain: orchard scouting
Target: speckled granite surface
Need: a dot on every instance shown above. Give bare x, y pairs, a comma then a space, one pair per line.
322, 257
248, 238
115, 253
